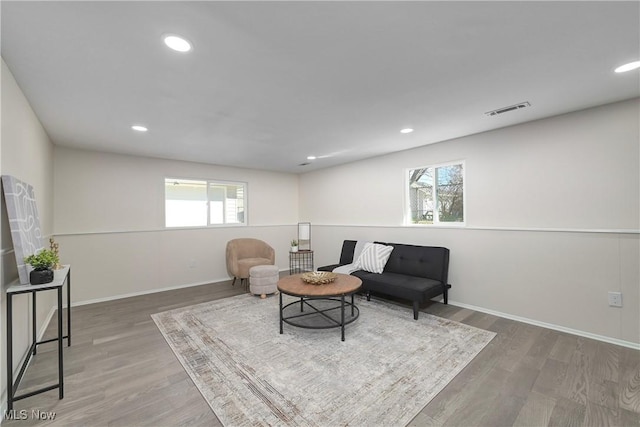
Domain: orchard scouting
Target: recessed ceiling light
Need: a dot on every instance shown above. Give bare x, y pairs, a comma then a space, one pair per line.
177, 43
311, 157
406, 130
628, 67
139, 128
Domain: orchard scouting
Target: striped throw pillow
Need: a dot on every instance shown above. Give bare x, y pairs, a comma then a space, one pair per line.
374, 257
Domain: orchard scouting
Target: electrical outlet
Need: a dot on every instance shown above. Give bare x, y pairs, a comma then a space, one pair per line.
615, 299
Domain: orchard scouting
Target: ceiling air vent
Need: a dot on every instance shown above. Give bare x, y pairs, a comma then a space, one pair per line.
509, 108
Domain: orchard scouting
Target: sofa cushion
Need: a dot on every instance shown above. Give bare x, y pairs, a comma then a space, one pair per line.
399, 285
329, 267
422, 261
373, 257
346, 256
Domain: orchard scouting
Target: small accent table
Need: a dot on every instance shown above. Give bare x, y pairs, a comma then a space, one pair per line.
321, 299
60, 277
300, 262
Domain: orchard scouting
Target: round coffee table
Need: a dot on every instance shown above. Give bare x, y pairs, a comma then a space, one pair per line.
323, 300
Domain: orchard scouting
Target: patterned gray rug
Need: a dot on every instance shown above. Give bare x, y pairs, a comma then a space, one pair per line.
387, 370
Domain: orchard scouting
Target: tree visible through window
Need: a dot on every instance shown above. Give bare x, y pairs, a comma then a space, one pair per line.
199, 203
436, 194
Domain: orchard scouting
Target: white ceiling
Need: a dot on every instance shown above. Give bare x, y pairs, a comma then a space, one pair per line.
269, 83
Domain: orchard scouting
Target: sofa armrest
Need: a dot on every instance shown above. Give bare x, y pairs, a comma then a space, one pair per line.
329, 267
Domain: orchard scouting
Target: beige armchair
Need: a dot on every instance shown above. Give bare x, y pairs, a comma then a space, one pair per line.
242, 254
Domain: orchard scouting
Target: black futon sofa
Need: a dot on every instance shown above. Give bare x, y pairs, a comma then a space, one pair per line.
415, 273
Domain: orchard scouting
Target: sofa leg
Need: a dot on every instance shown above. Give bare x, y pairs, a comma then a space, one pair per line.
416, 310
446, 296
368, 296
234, 282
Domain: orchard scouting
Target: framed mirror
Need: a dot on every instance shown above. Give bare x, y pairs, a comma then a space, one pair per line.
304, 236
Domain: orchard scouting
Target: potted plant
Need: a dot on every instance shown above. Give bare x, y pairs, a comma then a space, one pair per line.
294, 245
41, 263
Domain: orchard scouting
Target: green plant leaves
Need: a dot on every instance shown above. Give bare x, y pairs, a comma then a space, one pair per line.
46, 258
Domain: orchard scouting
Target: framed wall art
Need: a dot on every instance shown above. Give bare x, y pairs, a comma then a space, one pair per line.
24, 222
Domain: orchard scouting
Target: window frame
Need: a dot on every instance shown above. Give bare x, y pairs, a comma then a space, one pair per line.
436, 214
208, 183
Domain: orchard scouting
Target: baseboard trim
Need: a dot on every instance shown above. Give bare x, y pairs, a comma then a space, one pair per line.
603, 338
152, 291
146, 292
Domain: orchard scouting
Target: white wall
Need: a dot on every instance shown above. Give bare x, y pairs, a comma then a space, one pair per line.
577, 171
109, 221
27, 154
574, 178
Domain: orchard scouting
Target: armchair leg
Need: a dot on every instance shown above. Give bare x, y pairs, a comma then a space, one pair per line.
445, 296
234, 281
416, 310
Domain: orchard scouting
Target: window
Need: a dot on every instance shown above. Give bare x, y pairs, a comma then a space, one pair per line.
198, 203
436, 194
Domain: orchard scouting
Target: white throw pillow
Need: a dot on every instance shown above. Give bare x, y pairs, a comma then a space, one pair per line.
374, 257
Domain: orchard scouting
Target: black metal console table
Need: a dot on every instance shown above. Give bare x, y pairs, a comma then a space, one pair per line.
61, 277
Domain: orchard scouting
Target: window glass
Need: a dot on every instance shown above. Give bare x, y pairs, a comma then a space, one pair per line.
449, 193
216, 204
185, 203
436, 194
421, 195
193, 203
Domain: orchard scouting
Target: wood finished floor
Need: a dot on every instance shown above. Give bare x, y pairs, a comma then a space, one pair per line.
119, 371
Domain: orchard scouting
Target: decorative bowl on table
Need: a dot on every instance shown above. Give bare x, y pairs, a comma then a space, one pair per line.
319, 277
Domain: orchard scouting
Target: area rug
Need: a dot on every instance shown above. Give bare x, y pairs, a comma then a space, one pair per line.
388, 368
